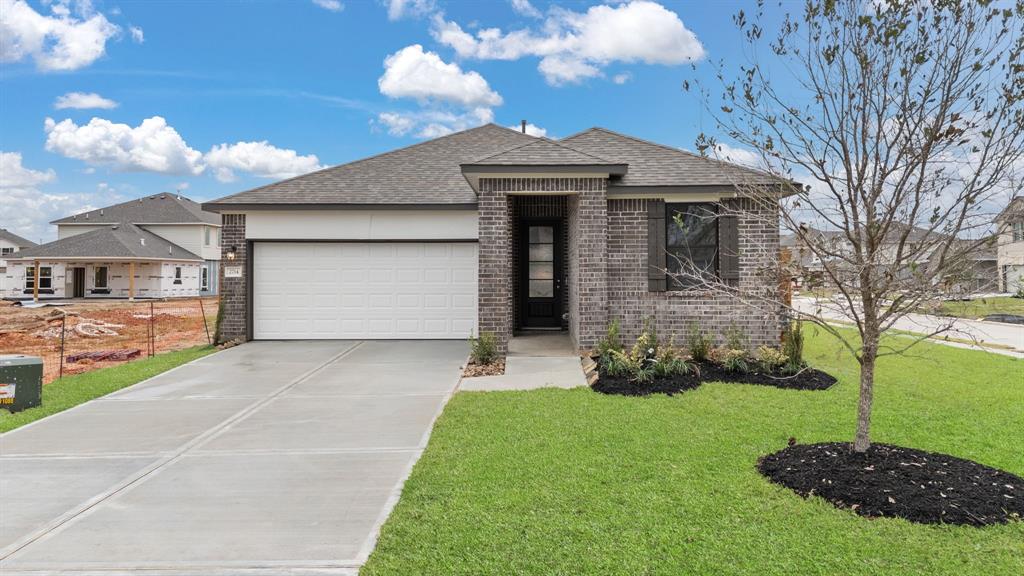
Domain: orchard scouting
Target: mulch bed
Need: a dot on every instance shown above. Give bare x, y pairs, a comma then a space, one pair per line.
496, 368
625, 387
892, 481
806, 379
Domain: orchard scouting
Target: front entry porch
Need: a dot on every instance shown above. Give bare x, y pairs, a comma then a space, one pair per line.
540, 253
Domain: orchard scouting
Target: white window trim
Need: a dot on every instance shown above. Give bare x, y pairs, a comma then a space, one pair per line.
204, 279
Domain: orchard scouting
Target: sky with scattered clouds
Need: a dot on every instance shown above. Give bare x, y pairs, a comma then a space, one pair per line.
102, 101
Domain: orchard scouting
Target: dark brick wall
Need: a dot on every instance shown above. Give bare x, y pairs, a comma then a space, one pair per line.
674, 311
233, 291
588, 238
494, 292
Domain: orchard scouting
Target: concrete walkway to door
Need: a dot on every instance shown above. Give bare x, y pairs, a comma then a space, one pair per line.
534, 360
268, 458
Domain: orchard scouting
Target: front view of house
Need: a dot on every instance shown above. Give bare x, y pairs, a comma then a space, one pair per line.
492, 230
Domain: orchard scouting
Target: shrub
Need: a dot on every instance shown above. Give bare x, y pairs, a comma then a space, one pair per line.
611, 341
698, 343
1020, 293
636, 368
736, 338
770, 359
484, 349
670, 362
647, 344
735, 360
793, 346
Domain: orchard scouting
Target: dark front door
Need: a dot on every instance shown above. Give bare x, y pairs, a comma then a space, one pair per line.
78, 283
540, 275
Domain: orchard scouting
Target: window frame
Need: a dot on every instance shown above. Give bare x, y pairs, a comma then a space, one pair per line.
672, 283
96, 278
206, 236
177, 275
6, 251
204, 279
30, 277
1017, 231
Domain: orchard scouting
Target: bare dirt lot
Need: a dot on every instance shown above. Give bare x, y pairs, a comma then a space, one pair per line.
130, 330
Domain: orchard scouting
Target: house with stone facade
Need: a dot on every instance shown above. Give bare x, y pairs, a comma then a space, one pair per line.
493, 230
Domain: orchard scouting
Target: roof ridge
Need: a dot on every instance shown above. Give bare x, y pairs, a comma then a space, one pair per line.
368, 158
188, 204
543, 139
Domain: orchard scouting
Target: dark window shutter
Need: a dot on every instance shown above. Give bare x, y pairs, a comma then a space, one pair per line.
729, 249
656, 280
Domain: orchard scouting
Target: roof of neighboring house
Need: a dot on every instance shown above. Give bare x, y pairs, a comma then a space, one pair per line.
424, 173
430, 173
164, 208
652, 164
1014, 208
15, 239
121, 241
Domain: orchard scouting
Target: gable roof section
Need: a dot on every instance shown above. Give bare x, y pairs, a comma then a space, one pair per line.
117, 241
162, 208
1014, 209
15, 239
652, 164
424, 173
542, 152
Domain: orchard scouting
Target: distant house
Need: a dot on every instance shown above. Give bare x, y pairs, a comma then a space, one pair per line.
160, 246
1010, 246
9, 244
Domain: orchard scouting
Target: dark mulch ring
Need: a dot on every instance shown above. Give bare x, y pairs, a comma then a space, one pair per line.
892, 481
806, 379
625, 387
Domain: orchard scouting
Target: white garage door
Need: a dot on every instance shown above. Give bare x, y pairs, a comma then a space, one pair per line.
374, 290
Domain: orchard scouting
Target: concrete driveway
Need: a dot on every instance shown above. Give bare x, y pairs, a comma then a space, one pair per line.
268, 458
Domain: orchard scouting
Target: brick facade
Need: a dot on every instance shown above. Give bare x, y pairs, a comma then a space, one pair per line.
673, 312
233, 291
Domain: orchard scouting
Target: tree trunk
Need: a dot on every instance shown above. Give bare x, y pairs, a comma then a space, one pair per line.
869, 354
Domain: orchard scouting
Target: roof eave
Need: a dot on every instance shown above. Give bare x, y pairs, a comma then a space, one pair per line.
231, 207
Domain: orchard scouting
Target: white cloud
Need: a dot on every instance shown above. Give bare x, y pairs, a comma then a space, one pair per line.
260, 159
138, 36
152, 146
532, 130
332, 5
433, 123
83, 100
61, 41
525, 8
622, 78
413, 73
741, 156
398, 9
26, 210
574, 46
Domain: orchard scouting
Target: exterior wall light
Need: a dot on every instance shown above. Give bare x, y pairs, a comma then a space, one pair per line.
231, 253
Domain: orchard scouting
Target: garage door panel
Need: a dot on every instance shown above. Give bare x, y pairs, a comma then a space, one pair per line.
367, 290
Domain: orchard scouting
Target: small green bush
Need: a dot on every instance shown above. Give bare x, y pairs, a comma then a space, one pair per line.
793, 346
736, 338
735, 360
484, 349
669, 361
698, 343
611, 342
770, 359
1020, 293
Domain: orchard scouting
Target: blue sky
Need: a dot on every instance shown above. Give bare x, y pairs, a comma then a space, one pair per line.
107, 100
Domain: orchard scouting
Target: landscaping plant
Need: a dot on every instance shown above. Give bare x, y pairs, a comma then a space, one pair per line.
793, 346
698, 343
611, 341
484, 348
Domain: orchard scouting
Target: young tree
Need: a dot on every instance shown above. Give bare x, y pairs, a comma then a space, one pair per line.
903, 122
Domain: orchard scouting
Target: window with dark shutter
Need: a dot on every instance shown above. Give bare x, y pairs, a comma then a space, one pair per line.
729, 249
691, 244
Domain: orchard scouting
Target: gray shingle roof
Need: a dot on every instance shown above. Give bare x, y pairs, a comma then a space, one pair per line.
424, 173
163, 208
114, 241
652, 164
15, 239
542, 152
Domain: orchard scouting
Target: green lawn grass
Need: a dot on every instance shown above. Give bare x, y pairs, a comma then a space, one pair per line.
69, 391
981, 307
574, 482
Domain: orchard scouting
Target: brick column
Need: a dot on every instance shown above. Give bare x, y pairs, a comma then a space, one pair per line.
495, 262
234, 291
588, 231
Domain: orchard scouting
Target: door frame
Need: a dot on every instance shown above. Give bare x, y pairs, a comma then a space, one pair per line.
78, 282
522, 274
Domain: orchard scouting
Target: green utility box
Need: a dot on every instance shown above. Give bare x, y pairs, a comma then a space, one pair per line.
21, 381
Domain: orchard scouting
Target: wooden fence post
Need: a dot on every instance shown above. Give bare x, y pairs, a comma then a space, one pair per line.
63, 324
202, 311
